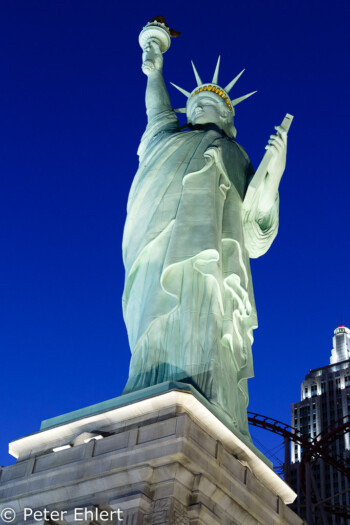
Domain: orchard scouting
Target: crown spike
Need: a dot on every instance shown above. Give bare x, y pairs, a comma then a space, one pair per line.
198, 78
240, 99
180, 110
216, 72
183, 91
232, 83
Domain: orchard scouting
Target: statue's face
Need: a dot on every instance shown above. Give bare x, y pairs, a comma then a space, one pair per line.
206, 110
210, 109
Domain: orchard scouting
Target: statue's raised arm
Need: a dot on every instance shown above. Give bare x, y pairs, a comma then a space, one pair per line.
155, 40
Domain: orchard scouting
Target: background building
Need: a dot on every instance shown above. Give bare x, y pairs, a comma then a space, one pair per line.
325, 399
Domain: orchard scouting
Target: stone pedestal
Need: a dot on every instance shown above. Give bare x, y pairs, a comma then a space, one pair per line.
166, 459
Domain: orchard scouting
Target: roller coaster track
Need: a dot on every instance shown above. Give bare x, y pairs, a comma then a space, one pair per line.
312, 447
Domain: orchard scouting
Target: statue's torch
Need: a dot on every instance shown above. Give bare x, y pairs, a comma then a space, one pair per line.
157, 31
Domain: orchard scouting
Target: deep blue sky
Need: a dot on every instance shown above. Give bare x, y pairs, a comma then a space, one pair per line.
71, 116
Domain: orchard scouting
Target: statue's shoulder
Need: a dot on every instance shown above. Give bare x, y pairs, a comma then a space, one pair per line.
165, 121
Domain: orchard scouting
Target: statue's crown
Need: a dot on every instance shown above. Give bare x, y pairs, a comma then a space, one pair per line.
213, 87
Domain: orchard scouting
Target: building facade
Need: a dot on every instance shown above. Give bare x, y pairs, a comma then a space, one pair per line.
325, 399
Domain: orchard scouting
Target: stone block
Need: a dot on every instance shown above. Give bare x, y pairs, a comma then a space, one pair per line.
157, 431
14, 471
60, 458
111, 443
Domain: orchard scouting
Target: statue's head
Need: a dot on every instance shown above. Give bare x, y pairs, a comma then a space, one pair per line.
209, 108
210, 103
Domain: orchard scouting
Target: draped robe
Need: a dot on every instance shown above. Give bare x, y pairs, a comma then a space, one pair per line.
188, 301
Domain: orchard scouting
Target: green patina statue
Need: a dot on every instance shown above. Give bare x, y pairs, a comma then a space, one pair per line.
196, 214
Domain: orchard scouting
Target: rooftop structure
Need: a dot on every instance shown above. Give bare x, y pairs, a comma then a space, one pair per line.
325, 399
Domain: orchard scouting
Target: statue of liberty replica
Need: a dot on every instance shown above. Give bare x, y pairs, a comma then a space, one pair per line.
196, 214
175, 447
